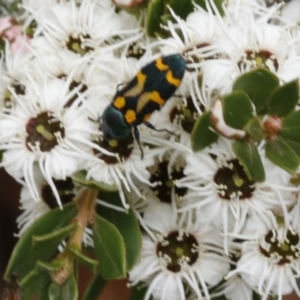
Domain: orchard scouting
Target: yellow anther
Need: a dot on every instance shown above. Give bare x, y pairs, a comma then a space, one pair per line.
238, 181
46, 134
113, 143
285, 247
179, 252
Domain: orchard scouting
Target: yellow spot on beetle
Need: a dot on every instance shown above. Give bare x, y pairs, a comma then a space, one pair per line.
146, 97
130, 116
171, 79
155, 97
139, 87
119, 102
141, 78
160, 65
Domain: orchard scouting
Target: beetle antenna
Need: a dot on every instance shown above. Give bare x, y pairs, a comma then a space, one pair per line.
137, 137
149, 125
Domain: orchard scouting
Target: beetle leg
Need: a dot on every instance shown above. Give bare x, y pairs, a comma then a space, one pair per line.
149, 125
137, 137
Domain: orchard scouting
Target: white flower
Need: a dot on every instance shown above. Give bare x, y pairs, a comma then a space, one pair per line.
291, 12
168, 167
222, 193
235, 288
249, 45
178, 256
197, 39
32, 210
82, 29
13, 75
270, 258
44, 129
288, 12
122, 169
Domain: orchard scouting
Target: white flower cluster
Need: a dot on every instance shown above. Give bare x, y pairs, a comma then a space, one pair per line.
208, 229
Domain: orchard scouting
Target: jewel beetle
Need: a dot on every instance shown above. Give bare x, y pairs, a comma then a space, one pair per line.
148, 91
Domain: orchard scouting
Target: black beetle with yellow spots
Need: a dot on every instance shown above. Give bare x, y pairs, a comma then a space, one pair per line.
148, 91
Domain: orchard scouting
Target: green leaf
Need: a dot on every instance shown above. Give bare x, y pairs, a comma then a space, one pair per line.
44, 295
220, 298
127, 225
255, 296
25, 255
95, 288
294, 145
66, 291
282, 155
218, 5
254, 129
34, 282
138, 292
284, 99
155, 10
52, 266
53, 238
237, 109
89, 263
202, 135
291, 127
181, 8
248, 155
258, 85
109, 249
80, 178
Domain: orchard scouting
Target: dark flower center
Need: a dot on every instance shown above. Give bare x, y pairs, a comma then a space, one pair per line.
270, 3
121, 147
284, 251
43, 132
74, 85
179, 249
161, 174
8, 96
80, 44
232, 181
186, 115
256, 59
65, 189
135, 50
